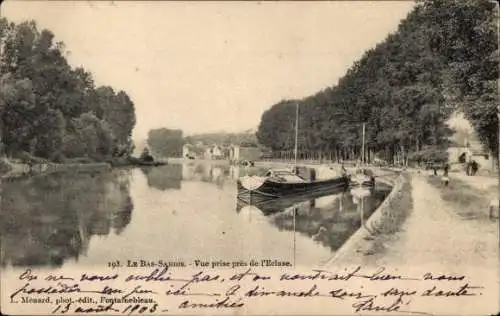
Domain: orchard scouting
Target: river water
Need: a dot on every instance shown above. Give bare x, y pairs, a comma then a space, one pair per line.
174, 213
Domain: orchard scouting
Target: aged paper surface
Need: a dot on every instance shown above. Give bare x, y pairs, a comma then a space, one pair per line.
149, 154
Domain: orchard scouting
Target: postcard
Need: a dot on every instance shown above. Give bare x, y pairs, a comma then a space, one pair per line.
249, 158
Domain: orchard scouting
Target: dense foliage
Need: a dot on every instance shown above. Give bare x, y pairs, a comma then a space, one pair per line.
50, 110
465, 35
165, 142
442, 58
429, 154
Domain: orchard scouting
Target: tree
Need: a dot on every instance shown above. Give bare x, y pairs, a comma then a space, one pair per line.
46, 103
118, 111
18, 105
90, 137
165, 142
146, 155
276, 129
471, 55
442, 57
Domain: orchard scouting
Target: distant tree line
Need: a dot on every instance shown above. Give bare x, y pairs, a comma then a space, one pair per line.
164, 142
442, 58
49, 109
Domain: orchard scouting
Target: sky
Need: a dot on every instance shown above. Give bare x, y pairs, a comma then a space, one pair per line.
212, 66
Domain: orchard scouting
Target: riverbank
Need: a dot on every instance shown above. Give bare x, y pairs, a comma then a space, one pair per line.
216, 162
16, 169
384, 222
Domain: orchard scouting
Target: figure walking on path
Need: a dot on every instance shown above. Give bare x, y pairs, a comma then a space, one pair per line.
446, 180
475, 167
446, 169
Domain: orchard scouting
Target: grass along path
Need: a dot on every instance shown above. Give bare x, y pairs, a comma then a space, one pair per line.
485, 183
469, 201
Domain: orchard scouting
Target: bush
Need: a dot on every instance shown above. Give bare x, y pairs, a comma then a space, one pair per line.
434, 155
4, 166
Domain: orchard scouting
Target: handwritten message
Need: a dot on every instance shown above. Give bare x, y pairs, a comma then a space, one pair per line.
136, 287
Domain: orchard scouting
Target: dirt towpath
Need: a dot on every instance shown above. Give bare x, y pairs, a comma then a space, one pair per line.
434, 234
434, 238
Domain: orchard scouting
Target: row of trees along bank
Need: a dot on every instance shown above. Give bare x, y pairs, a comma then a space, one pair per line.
49, 109
442, 58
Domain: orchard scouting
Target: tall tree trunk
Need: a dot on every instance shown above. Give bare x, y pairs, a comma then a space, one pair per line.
395, 153
403, 158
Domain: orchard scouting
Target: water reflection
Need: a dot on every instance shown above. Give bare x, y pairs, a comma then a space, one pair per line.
218, 174
329, 220
48, 219
86, 219
165, 177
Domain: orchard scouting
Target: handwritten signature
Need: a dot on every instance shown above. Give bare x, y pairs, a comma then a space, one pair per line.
235, 290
